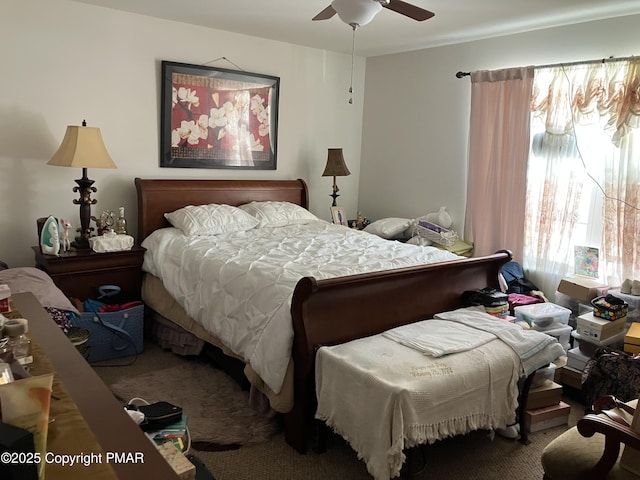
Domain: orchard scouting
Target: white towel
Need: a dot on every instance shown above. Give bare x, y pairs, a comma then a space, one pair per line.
529, 345
435, 338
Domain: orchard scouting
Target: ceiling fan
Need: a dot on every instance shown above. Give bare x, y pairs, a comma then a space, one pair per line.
357, 13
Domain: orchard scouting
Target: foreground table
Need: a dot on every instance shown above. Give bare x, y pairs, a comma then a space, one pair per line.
86, 412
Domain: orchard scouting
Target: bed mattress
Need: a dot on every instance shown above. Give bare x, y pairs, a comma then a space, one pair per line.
238, 287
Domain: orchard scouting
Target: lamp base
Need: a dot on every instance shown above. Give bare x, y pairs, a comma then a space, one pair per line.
81, 243
85, 188
334, 195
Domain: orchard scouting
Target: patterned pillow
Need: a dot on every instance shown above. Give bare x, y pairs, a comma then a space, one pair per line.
212, 219
278, 214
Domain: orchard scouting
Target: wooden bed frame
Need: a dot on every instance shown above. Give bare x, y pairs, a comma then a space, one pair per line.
331, 311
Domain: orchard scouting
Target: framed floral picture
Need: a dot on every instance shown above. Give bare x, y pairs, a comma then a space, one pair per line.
218, 118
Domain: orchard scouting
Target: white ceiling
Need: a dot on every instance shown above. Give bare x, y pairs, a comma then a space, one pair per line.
455, 21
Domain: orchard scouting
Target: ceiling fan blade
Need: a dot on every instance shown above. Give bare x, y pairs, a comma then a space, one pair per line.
409, 10
325, 14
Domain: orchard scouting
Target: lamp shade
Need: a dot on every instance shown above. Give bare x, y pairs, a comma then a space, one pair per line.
335, 164
82, 147
358, 12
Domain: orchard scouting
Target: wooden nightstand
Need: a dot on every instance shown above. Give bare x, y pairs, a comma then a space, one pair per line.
79, 273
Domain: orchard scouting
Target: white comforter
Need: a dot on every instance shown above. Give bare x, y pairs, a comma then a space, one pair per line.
239, 286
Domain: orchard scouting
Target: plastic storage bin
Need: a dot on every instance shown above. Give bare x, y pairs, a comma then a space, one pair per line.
544, 375
541, 315
113, 334
577, 359
588, 345
560, 332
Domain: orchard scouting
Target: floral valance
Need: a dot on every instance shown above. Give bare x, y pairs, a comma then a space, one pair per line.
607, 94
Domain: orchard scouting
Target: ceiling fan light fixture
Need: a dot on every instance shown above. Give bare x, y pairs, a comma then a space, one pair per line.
358, 12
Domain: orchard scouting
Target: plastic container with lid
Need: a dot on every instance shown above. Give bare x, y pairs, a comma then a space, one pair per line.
19, 343
588, 345
542, 314
544, 375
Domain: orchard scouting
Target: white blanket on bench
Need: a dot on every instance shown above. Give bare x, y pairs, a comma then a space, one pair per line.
384, 397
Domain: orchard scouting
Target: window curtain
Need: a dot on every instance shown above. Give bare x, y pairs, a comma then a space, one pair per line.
498, 151
585, 145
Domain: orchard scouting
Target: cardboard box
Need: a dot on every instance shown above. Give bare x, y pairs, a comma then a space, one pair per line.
544, 396
632, 339
634, 349
582, 288
547, 417
590, 326
571, 377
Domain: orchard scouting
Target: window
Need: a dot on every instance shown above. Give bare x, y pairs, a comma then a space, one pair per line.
583, 173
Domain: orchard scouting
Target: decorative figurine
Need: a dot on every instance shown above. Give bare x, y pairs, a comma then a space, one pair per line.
65, 226
104, 222
99, 225
121, 222
50, 238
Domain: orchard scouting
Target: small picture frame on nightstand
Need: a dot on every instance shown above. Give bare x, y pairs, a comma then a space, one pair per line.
339, 216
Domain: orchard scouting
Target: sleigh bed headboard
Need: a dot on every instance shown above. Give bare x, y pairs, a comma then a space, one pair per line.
159, 196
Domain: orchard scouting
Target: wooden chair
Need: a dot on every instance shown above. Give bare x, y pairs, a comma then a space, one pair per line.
590, 450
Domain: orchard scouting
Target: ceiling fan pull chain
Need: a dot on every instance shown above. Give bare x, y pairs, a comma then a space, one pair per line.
353, 48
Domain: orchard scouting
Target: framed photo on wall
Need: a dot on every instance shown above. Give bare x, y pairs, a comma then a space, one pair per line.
339, 216
217, 118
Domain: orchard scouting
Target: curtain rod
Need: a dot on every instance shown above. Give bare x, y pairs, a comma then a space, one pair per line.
603, 60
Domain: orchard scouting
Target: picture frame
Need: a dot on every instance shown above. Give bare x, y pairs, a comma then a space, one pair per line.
586, 261
218, 118
339, 216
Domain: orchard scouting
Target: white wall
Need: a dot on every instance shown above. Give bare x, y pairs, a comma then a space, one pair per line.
416, 116
63, 62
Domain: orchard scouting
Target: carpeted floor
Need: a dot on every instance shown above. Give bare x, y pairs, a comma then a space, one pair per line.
218, 412
477, 456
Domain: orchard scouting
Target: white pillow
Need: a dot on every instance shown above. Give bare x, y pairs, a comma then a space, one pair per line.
278, 214
418, 240
389, 228
211, 219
